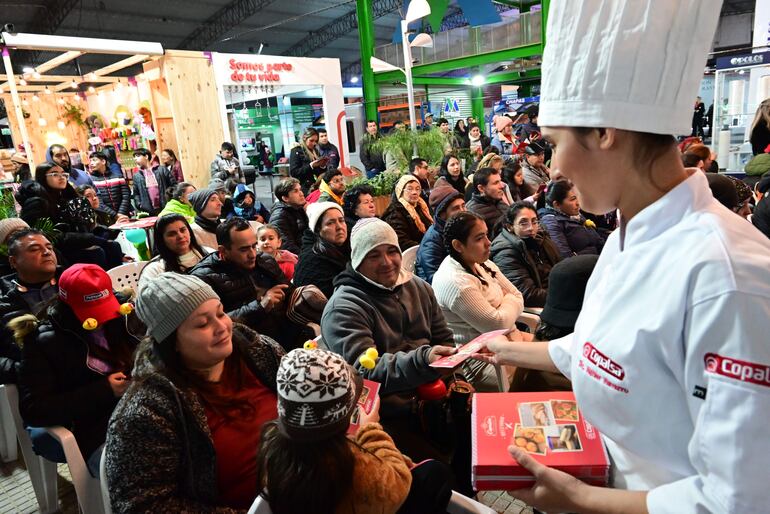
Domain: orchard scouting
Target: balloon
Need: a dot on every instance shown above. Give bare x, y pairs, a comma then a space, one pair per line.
136, 236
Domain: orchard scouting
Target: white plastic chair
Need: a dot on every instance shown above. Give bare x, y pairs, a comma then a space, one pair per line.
126, 275
42, 472
8, 448
458, 504
105, 487
409, 258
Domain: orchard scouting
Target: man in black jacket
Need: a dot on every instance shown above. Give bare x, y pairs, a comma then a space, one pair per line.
251, 286
27, 291
372, 159
288, 214
487, 198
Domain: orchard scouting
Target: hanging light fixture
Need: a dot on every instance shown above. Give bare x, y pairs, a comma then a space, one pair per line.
35, 98
22, 82
24, 102
91, 89
36, 76
42, 122
60, 100
48, 91
61, 125
74, 84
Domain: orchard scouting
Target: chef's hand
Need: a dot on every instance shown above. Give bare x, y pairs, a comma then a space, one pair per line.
497, 351
553, 491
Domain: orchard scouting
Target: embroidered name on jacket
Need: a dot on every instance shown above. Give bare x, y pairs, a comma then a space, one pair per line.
744, 371
606, 365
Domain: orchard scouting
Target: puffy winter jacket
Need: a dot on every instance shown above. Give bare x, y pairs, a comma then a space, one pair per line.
142, 195
491, 210
519, 264
113, 192
398, 217
370, 158
291, 223
319, 264
570, 235
431, 252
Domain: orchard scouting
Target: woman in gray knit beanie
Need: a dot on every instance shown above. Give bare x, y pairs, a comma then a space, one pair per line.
196, 409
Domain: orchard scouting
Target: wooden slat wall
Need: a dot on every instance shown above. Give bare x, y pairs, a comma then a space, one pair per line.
73, 134
195, 110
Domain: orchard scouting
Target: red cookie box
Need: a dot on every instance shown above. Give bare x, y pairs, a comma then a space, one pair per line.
549, 426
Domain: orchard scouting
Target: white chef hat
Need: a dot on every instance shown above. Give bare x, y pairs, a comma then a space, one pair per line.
633, 65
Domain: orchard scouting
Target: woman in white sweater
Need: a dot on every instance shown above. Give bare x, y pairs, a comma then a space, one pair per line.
175, 248
473, 293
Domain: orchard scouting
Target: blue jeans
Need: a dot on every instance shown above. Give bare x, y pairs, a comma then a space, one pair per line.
372, 173
45, 445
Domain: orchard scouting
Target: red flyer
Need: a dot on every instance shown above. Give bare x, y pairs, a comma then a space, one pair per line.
548, 426
369, 392
467, 350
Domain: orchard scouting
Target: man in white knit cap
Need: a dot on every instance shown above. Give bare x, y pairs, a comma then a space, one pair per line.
376, 304
669, 359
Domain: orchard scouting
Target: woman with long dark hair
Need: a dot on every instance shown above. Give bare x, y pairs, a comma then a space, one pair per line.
169, 160
184, 436
473, 293
358, 203
305, 160
51, 196
175, 248
559, 212
451, 173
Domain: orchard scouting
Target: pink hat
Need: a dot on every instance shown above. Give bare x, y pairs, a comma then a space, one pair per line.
501, 122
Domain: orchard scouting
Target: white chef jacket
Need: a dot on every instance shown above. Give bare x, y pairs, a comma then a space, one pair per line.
670, 357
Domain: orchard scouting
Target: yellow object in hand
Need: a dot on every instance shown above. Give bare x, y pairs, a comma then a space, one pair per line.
126, 309
90, 324
310, 345
369, 358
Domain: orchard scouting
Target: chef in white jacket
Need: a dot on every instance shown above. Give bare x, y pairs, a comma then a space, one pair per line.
670, 357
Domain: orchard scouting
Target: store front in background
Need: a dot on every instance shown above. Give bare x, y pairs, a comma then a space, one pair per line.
268, 101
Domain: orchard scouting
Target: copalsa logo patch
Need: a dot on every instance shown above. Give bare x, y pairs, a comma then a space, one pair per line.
603, 362
736, 369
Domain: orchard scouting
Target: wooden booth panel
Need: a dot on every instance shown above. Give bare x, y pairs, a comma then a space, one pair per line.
196, 112
41, 137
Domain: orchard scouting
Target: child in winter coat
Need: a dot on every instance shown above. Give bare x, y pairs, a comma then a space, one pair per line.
306, 452
247, 207
269, 242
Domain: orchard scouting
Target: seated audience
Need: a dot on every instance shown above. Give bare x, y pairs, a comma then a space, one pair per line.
225, 190
269, 242
102, 219
745, 196
691, 160
559, 212
474, 295
487, 199
178, 201
76, 362
418, 167
252, 287
325, 247
705, 155
305, 160
476, 141
358, 203
175, 248
445, 201
51, 196
8, 226
562, 306
450, 173
307, 448
378, 305
28, 290
59, 155
208, 209
408, 213
288, 214
525, 254
332, 186
246, 206
184, 437
225, 165
513, 178
533, 167
111, 187
504, 140
150, 184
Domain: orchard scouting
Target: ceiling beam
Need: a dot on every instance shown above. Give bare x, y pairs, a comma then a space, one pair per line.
221, 22
58, 61
338, 28
112, 68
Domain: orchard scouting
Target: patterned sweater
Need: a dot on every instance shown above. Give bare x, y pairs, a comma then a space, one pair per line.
159, 454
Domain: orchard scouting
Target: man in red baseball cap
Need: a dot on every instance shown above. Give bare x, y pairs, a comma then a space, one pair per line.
87, 290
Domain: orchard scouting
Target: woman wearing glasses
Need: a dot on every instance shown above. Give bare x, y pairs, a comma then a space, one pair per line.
524, 253
51, 196
408, 213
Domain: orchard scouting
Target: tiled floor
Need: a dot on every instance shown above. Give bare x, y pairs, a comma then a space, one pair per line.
17, 496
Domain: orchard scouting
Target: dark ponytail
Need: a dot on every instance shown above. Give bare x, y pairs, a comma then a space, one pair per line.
514, 211
458, 227
557, 191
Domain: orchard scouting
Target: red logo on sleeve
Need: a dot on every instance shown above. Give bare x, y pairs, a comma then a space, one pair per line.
603, 362
737, 369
